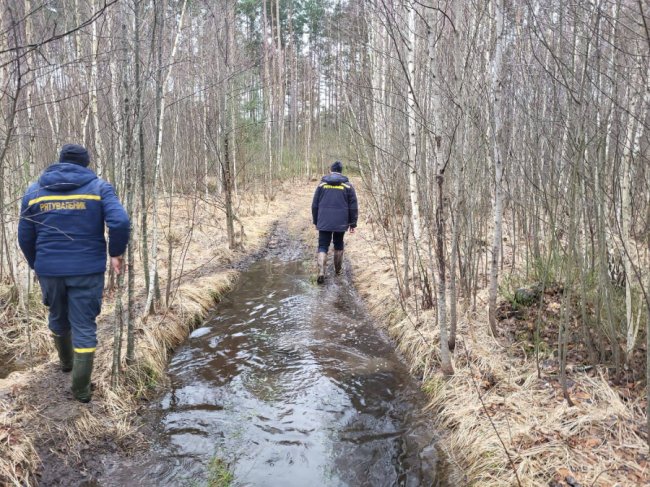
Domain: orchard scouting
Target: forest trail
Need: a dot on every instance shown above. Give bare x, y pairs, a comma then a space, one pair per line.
372, 399
287, 383
78, 444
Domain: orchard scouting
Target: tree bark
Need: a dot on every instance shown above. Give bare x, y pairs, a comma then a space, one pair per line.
160, 129
496, 124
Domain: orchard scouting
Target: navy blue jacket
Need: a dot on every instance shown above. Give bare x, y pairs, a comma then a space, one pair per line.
61, 228
334, 207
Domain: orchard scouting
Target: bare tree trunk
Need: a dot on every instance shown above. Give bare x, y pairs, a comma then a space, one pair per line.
411, 114
228, 131
118, 328
638, 106
453, 295
647, 330
99, 150
268, 102
280, 85
445, 356
170, 221
10, 128
161, 123
139, 83
438, 165
29, 166
496, 126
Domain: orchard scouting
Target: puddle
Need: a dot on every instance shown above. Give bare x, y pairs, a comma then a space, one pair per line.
289, 384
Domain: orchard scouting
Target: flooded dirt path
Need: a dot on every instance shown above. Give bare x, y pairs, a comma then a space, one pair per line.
289, 384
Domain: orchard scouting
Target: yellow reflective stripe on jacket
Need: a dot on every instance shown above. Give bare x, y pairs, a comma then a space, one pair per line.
85, 350
329, 186
65, 197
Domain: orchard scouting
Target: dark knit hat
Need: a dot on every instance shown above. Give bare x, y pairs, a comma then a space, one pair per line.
74, 154
336, 167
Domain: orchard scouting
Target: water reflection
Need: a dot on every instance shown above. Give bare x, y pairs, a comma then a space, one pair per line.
291, 385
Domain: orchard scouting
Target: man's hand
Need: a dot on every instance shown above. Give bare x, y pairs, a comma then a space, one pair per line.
353, 229
116, 264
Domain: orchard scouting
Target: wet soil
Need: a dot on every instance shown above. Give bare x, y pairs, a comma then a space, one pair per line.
9, 365
287, 383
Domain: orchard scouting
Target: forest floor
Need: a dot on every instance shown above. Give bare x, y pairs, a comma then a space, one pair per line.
495, 398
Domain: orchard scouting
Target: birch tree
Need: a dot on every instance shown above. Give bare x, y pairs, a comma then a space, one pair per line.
153, 257
496, 127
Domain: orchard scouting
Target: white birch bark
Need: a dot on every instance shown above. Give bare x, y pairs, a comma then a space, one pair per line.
99, 152
496, 125
638, 106
412, 155
378, 78
268, 102
435, 147
153, 257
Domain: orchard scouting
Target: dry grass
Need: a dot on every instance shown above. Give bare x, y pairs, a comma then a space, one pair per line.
599, 441
18, 456
16, 327
31, 412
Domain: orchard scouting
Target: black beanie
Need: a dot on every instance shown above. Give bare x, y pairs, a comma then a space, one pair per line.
74, 154
336, 167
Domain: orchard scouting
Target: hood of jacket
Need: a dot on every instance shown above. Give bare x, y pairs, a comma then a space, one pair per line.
335, 178
63, 176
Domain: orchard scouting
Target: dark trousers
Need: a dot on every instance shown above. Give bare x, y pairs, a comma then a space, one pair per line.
325, 238
74, 303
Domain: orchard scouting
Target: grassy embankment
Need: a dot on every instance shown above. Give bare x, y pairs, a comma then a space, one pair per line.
39, 422
597, 442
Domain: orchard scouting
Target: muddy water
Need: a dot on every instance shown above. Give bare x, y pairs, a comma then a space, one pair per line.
290, 384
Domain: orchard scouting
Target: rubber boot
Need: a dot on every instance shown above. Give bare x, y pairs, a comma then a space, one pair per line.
322, 263
63, 345
338, 261
81, 372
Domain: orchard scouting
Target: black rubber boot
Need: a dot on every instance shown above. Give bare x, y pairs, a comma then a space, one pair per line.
322, 263
338, 261
63, 345
81, 372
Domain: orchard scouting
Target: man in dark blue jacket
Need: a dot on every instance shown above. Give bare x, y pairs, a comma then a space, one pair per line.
61, 233
334, 210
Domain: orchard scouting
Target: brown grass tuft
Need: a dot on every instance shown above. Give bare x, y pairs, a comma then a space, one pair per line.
19, 456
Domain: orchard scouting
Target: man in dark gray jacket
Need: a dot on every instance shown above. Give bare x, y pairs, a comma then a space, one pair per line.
334, 210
